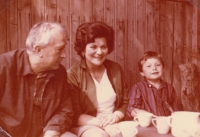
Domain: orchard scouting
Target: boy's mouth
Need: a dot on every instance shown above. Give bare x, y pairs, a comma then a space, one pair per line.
155, 73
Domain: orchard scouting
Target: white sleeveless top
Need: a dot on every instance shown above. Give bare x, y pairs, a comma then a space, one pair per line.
106, 95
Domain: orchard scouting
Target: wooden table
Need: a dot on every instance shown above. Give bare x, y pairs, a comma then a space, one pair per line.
151, 131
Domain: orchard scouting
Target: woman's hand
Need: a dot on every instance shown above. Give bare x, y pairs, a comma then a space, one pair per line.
113, 130
109, 119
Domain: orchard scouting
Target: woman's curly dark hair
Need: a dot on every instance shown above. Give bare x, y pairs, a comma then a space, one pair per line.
87, 32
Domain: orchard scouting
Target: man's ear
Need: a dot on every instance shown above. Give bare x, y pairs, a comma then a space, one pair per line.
38, 51
142, 73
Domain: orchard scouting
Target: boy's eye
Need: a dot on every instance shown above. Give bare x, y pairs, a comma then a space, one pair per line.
158, 64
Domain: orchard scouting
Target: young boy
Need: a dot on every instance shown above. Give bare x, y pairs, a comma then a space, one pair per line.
152, 94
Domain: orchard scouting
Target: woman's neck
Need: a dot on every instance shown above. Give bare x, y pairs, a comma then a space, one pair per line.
97, 72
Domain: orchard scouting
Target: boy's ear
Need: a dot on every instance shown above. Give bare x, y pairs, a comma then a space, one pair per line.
142, 73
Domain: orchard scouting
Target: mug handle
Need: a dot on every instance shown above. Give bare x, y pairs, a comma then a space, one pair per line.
136, 119
153, 122
169, 121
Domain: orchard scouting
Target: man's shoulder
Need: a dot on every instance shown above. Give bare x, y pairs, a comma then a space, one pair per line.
12, 57
13, 52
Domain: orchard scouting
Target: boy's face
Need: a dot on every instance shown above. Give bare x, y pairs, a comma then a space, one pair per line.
152, 69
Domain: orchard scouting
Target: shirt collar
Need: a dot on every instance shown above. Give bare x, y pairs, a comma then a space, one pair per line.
24, 64
163, 84
25, 67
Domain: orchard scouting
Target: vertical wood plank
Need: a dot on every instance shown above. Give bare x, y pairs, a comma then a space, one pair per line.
141, 26
121, 31
3, 30
87, 10
12, 41
152, 22
51, 10
132, 58
75, 21
24, 21
37, 11
109, 18
98, 10
179, 46
63, 16
166, 38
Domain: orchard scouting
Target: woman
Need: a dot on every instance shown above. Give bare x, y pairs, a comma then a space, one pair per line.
97, 84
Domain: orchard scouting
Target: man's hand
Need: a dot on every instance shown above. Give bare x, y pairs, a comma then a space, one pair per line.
52, 133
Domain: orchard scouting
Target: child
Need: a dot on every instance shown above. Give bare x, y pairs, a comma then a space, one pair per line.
152, 94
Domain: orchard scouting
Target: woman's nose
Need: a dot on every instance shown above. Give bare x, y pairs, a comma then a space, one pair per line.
99, 51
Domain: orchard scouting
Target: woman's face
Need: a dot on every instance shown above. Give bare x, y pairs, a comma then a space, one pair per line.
95, 53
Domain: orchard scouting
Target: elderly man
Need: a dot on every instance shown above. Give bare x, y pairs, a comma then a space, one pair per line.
34, 99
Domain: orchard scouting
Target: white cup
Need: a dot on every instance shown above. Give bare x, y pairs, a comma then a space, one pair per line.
128, 128
161, 123
144, 119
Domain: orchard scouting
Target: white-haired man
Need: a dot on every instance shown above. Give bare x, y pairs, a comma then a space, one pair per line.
34, 98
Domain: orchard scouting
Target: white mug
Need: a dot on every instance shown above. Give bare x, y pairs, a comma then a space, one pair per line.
162, 125
144, 119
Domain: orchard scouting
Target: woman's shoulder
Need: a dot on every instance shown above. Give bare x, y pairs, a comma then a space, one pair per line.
77, 65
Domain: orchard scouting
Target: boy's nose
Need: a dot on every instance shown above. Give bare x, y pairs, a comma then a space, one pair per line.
154, 67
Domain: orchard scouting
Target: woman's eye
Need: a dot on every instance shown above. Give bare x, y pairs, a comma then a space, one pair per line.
158, 65
93, 47
104, 47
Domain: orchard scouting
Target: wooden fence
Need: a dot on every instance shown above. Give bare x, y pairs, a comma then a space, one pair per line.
170, 27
